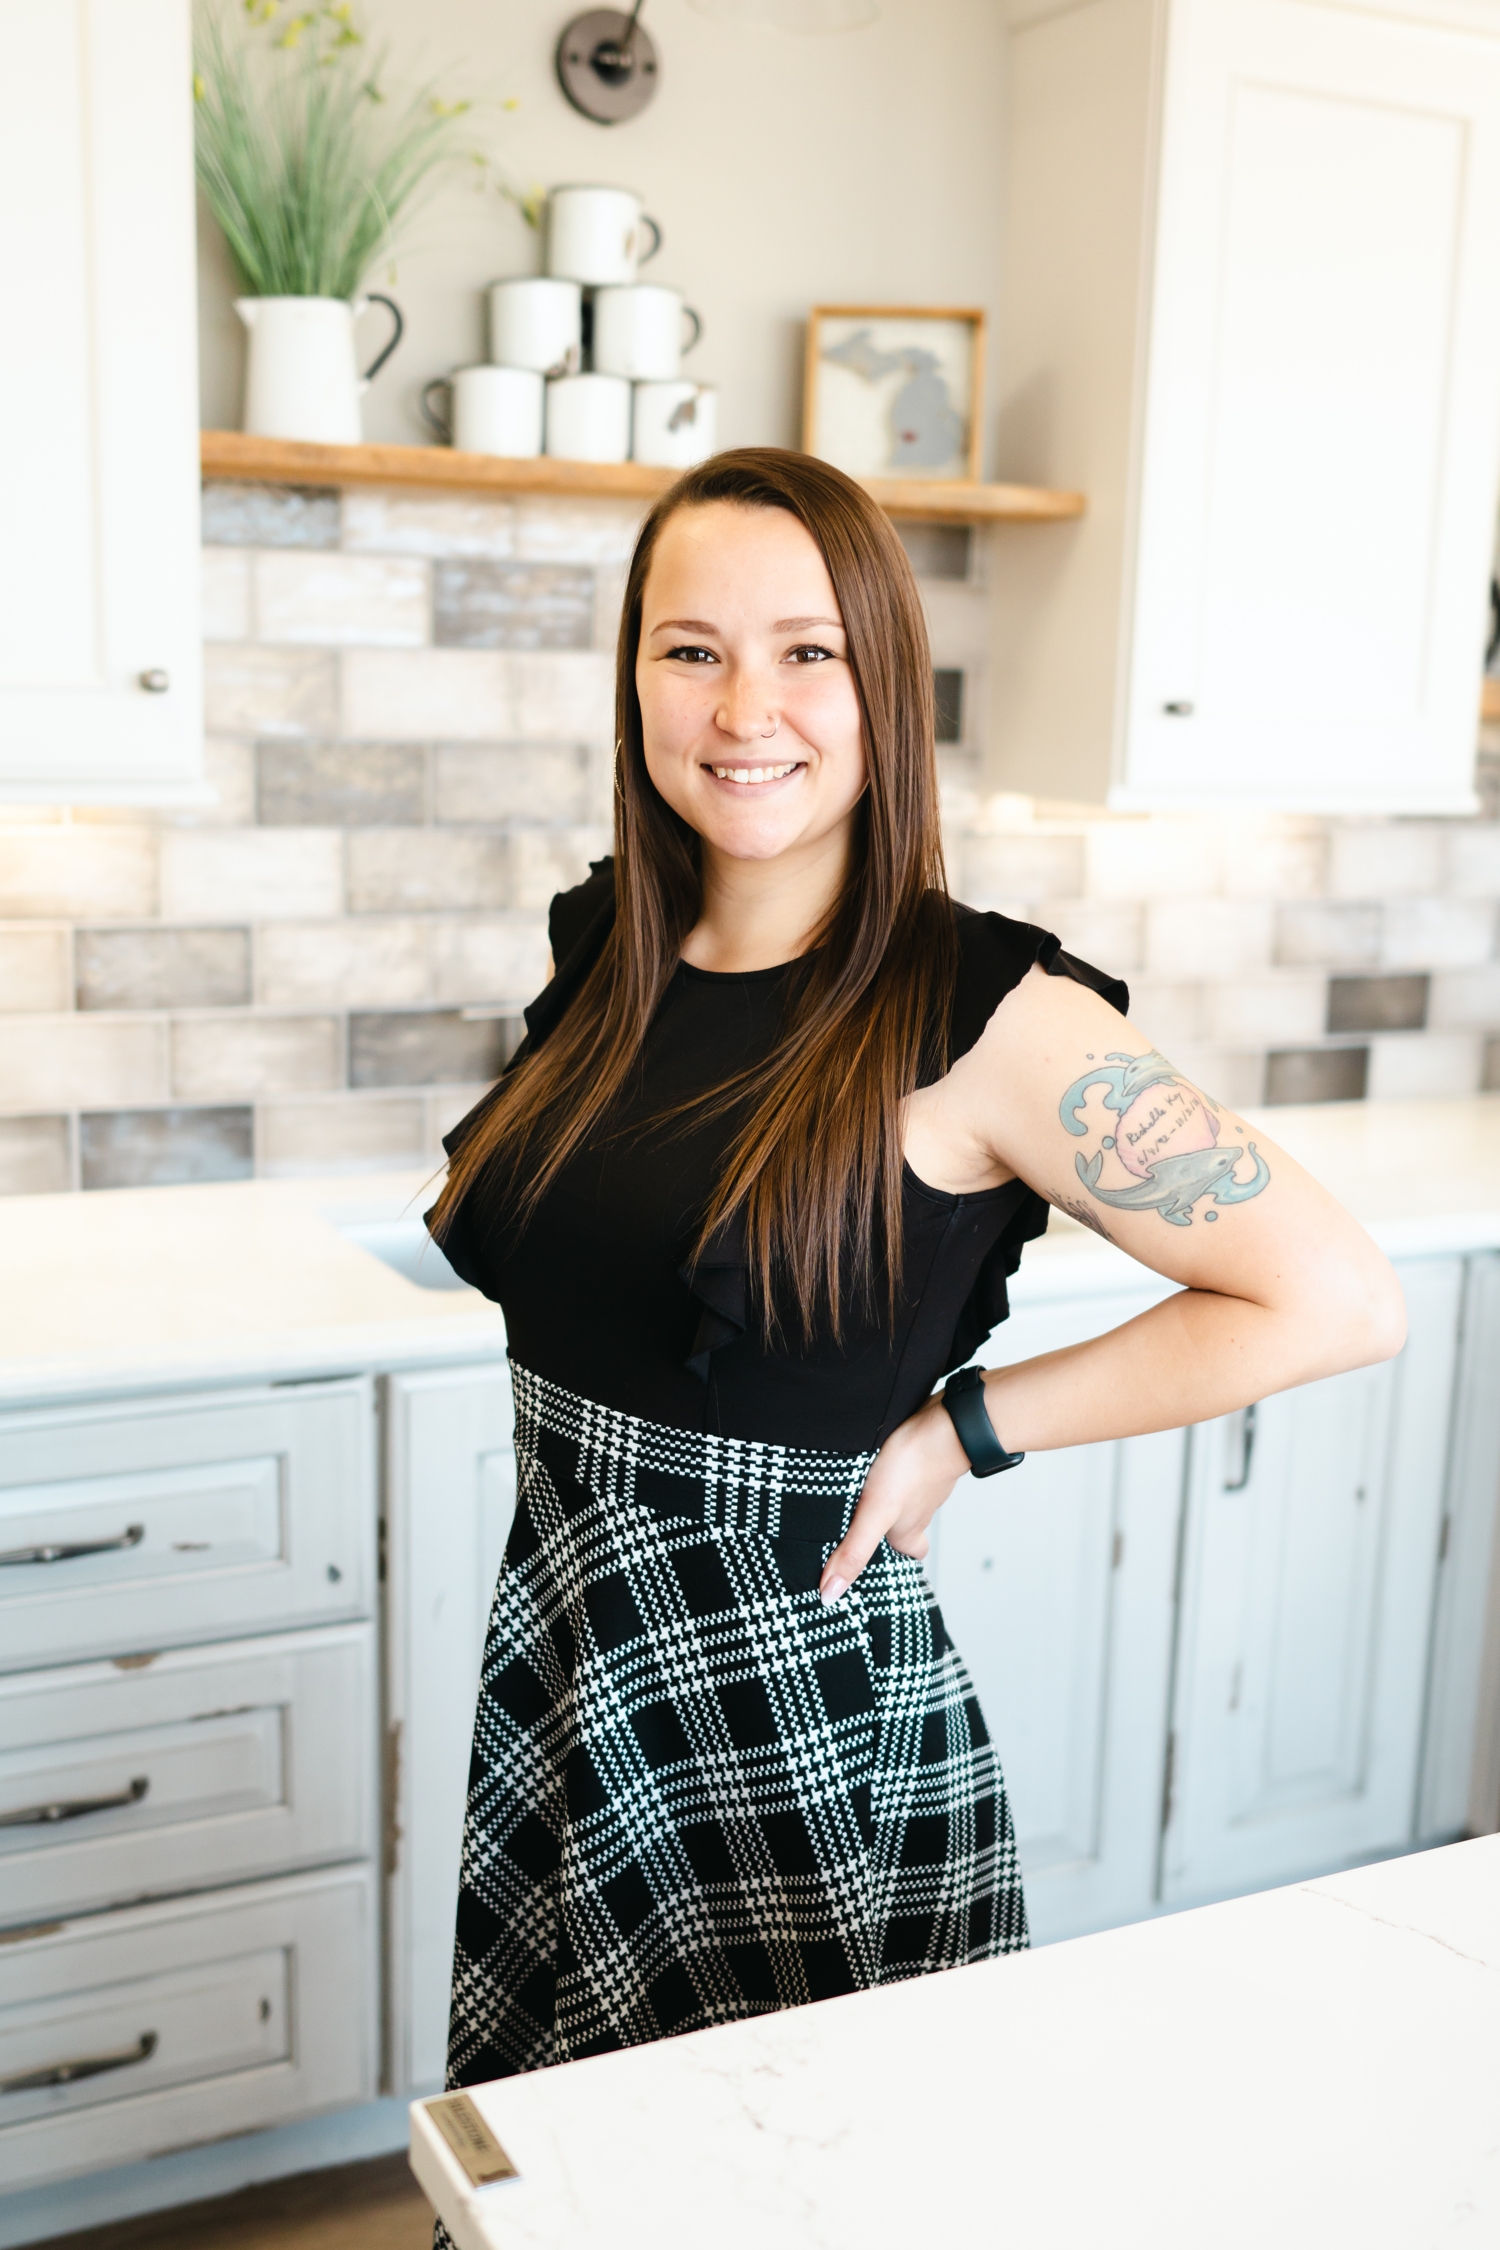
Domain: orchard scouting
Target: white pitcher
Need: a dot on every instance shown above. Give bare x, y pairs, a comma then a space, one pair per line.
303, 379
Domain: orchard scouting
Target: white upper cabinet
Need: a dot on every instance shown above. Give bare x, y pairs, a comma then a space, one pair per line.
100, 666
1253, 310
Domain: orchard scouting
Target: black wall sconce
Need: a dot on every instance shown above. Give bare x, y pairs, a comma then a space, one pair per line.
607, 64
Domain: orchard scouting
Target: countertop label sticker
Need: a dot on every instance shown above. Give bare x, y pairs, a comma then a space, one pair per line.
470, 2139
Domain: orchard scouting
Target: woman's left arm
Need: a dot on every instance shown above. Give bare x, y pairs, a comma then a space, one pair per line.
1280, 1285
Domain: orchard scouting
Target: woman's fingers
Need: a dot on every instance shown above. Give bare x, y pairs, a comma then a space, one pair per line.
868, 1527
911, 1477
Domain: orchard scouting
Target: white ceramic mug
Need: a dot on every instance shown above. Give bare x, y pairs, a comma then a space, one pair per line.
598, 234
638, 331
303, 380
673, 425
537, 322
588, 418
491, 410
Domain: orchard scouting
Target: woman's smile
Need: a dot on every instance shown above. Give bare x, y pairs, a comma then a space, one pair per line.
755, 777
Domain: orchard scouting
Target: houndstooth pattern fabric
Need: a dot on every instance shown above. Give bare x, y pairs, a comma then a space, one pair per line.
696, 1793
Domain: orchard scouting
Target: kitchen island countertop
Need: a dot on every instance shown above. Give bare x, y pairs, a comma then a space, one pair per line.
1311, 2067
135, 1288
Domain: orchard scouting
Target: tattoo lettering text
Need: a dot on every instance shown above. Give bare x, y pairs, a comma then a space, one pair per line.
1165, 1141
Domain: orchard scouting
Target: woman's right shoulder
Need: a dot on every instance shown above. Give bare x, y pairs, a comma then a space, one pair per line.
573, 915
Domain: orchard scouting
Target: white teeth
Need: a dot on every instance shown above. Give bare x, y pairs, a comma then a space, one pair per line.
748, 775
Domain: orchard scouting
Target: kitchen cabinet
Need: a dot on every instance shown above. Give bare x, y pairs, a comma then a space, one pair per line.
1311, 1544
128, 1779
1251, 309
1219, 1659
100, 666
1056, 1583
449, 1496
1211, 1660
189, 1712
149, 1524
237, 2009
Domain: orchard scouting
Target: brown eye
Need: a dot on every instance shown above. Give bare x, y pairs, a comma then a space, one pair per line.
692, 656
809, 652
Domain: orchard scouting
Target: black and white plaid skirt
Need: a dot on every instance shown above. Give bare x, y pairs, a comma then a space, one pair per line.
697, 1794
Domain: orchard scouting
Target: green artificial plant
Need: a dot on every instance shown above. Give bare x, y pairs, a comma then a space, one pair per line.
304, 163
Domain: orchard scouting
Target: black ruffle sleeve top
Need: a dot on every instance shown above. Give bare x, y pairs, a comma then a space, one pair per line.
599, 1289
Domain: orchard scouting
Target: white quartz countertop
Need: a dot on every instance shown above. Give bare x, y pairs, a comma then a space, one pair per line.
135, 1287
1306, 2069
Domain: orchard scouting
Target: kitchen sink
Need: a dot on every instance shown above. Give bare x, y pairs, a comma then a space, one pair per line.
403, 1244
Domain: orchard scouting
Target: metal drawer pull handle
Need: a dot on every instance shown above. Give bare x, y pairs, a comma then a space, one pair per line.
65, 1553
74, 1808
1247, 1453
86, 2066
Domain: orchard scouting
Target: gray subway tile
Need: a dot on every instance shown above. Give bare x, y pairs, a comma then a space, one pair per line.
340, 784
250, 689
1378, 1003
937, 550
427, 870
163, 968
165, 1147
427, 1047
1316, 1074
34, 1156
270, 515
488, 783
948, 701
1318, 934
517, 605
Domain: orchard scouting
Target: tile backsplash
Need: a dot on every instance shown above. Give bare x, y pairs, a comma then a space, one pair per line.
409, 707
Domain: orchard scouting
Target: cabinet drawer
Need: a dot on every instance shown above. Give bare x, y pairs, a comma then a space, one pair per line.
204, 1766
149, 1526
146, 2030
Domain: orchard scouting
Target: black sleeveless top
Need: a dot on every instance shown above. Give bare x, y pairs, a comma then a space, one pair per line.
598, 1290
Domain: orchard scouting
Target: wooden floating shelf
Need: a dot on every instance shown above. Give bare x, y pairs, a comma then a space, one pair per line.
437, 468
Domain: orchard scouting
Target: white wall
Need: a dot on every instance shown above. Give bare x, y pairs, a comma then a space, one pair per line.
786, 171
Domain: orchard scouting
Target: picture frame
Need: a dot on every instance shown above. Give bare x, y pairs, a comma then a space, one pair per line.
896, 390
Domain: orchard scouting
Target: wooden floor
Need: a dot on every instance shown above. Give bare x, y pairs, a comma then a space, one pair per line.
375, 2206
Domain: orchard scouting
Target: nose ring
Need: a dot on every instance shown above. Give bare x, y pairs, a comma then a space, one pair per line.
774, 728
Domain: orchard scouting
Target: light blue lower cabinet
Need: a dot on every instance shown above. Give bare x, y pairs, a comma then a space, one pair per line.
1211, 1660
1225, 1658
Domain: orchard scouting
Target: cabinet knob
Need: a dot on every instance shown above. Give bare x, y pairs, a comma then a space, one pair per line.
1178, 710
156, 681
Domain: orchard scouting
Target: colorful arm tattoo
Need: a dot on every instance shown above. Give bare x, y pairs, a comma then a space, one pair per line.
1166, 1140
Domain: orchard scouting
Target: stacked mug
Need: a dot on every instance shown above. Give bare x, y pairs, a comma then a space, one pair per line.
586, 360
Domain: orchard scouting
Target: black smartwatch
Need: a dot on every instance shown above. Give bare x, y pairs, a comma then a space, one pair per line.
963, 1395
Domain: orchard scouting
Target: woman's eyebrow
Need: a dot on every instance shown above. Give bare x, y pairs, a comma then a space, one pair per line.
684, 625
802, 624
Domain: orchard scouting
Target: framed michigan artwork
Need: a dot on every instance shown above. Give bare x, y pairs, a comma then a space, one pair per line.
895, 390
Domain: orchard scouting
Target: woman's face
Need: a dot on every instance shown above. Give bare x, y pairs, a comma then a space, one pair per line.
752, 725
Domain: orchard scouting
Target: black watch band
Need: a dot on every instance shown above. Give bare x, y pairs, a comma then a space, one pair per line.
963, 1395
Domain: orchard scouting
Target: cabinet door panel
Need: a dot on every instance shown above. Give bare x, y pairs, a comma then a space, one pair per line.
1056, 1584
1461, 1753
450, 1493
183, 1519
1307, 631
98, 573
200, 1766
213, 2015
1310, 1563
1026, 1594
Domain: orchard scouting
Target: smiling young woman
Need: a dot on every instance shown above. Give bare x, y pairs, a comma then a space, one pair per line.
783, 1121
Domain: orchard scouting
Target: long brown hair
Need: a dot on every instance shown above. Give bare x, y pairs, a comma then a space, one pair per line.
813, 1174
